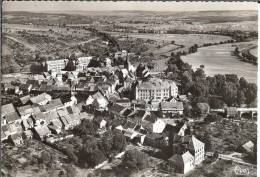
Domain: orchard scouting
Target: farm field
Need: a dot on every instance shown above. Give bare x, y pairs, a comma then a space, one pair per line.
161, 46
182, 39
219, 60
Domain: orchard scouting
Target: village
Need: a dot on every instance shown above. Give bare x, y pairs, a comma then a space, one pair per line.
71, 98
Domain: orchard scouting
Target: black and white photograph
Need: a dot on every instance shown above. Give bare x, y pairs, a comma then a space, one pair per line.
129, 89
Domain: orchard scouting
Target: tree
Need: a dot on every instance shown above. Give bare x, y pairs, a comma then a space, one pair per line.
96, 157
135, 160
45, 157
70, 171
241, 97
251, 93
71, 154
229, 93
216, 103
119, 143
85, 128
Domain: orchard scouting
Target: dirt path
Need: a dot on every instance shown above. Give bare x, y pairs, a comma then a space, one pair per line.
25, 44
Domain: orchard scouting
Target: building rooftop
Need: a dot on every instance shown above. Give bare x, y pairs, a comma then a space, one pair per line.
172, 106
7, 109
156, 83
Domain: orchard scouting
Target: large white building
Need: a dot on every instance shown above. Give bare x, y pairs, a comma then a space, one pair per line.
82, 63
56, 65
156, 89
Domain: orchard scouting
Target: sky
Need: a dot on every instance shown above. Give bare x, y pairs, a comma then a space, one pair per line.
124, 5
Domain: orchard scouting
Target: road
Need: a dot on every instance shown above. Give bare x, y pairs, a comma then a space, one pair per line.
231, 157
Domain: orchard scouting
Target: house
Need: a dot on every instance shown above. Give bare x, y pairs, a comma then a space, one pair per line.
84, 115
9, 88
69, 100
41, 99
6, 130
41, 132
231, 112
25, 88
98, 101
181, 163
24, 100
9, 114
116, 110
16, 139
248, 146
196, 148
39, 119
120, 54
65, 123
73, 110
171, 108
28, 110
56, 65
51, 116
82, 63
156, 89
69, 121
53, 105
124, 102
159, 126
153, 140
182, 130
62, 112
137, 115
28, 134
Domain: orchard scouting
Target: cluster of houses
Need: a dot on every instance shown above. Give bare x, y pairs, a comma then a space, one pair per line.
39, 117
145, 117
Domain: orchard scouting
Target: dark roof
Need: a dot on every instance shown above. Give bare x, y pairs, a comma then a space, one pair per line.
53, 104
116, 108
129, 124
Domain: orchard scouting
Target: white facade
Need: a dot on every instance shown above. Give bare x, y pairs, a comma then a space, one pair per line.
156, 89
199, 151
56, 65
188, 161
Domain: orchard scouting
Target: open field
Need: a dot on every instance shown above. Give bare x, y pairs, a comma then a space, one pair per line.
219, 60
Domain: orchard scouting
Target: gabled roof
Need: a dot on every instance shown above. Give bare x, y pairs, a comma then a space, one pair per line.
172, 105
42, 130
25, 99
182, 159
40, 98
53, 104
73, 110
12, 117
129, 125
28, 109
116, 108
7, 109
62, 112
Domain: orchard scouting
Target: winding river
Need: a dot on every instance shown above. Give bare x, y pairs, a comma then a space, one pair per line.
219, 60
